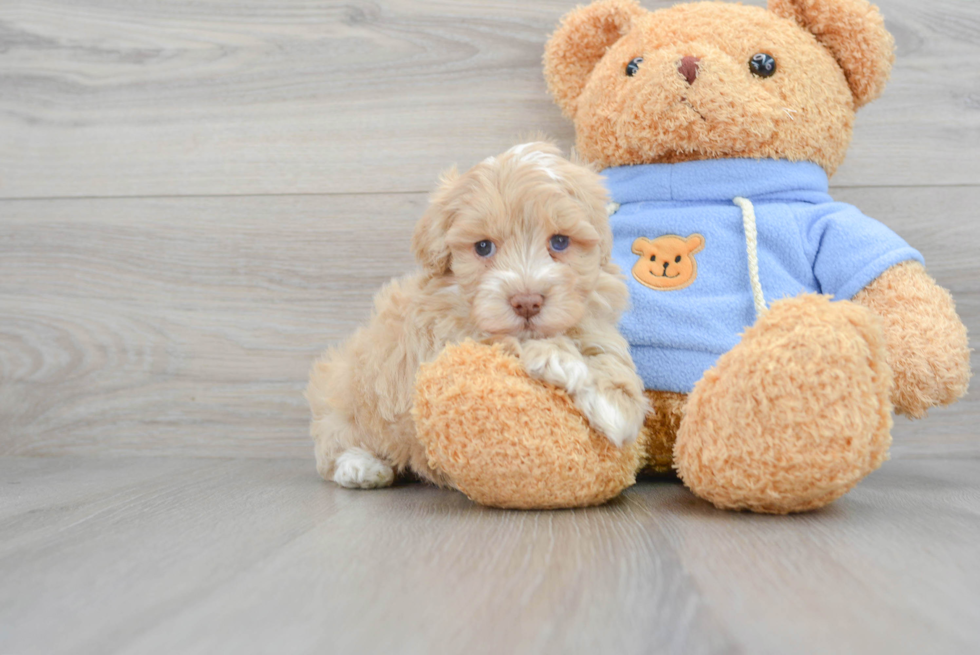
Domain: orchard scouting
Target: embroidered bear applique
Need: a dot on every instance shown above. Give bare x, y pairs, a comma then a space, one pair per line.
667, 263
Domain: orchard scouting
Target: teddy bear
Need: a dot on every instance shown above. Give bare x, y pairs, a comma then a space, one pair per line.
776, 330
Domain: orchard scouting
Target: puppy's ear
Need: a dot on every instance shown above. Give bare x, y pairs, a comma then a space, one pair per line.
579, 43
429, 239
583, 183
641, 245
854, 32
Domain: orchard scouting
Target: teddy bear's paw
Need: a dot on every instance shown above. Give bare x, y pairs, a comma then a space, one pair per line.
356, 468
928, 345
794, 415
615, 414
556, 362
507, 440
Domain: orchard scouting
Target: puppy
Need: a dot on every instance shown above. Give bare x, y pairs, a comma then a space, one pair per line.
516, 250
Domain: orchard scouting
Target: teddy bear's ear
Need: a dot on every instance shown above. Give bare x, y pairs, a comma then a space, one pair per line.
694, 243
579, 43
641, 245
854, 32
429, 238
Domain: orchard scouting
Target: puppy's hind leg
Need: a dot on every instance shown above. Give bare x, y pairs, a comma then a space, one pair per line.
356, 468
342, 455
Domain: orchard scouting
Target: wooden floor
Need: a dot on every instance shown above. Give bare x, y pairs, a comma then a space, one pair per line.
172, 555
197, 197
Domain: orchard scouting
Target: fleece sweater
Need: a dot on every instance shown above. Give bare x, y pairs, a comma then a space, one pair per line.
807, 243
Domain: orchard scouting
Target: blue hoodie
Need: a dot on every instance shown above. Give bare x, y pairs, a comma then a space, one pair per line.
807, 243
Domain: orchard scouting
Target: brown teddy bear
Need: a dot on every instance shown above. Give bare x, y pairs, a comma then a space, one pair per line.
776, 330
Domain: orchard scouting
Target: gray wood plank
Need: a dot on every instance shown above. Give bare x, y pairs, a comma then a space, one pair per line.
880, 570
187, 326
114, 98
932, 221
160, 555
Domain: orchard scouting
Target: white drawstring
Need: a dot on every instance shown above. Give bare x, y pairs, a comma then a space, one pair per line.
752, 250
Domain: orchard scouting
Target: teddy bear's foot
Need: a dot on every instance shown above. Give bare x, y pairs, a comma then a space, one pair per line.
506, 440
795, 415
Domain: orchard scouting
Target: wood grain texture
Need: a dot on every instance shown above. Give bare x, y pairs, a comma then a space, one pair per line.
182, 326
115, 98
187, 326
196, 197
169, 555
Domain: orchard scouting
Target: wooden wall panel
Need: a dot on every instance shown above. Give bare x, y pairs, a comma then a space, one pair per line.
115, 98
187, 325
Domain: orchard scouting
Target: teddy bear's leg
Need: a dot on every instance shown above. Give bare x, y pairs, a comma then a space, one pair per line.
795, 415
507, 440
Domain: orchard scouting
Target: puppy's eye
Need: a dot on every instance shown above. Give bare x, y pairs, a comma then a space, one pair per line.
485, 248
762, 65
559, 242
677, 259
633, 67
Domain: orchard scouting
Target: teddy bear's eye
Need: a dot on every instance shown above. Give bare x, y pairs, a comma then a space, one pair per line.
485, 248
762, 65
634, 66
653, 258
677, 259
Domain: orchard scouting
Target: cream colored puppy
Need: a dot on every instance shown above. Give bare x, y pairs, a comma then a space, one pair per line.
515, 250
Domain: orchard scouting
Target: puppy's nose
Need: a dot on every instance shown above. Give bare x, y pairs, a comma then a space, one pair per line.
689, 68
527, 305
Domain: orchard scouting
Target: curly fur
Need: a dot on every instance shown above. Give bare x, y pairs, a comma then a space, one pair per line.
800, 410
839, 61
928, 348
794, 415
360, 393
660, 431
472, 414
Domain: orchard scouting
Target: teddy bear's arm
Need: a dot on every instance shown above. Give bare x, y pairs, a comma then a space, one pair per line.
927, 344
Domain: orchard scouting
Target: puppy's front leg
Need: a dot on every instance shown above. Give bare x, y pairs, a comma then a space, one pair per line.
556, 361
605, 389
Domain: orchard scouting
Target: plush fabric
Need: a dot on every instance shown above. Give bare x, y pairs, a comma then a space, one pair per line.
471, 412
656, 442
797, 408
928, 349
807, 243
795, 416
804, 112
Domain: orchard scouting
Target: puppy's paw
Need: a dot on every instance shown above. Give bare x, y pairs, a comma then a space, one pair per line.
615, 414
356, 468
549, 361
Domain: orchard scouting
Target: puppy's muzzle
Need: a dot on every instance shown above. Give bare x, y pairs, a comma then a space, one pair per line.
527, 305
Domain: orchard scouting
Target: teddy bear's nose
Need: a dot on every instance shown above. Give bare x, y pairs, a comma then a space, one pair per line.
527, 305
689, 68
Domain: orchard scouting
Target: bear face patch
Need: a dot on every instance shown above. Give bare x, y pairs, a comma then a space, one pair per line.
667, 263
